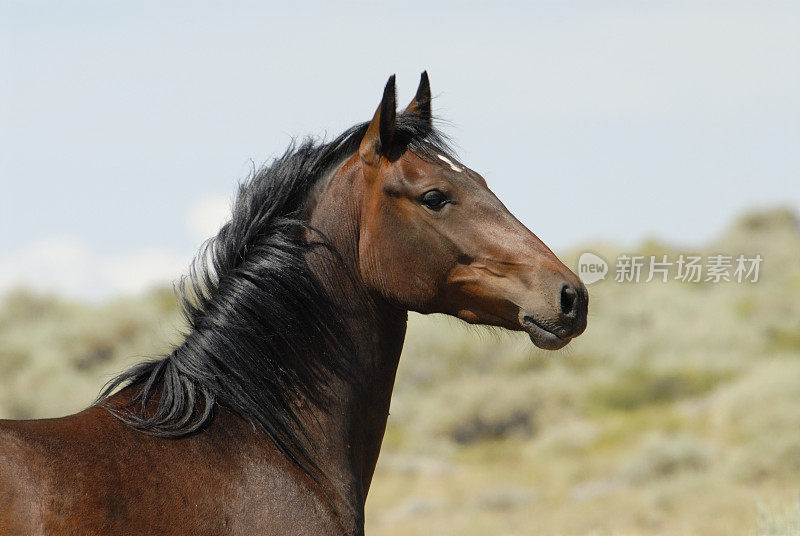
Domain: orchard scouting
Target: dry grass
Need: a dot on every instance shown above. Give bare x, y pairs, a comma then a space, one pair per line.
780, 521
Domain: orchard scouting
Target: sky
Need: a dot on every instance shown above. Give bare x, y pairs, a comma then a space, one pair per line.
125, 126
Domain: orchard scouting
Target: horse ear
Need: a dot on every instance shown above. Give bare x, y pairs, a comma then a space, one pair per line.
420, 105
378, 139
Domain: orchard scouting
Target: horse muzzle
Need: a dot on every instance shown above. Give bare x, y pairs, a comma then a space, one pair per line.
554, 331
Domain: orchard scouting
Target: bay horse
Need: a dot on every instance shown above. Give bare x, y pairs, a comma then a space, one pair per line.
268, 418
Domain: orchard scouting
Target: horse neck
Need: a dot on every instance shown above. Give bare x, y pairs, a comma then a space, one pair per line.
350, 431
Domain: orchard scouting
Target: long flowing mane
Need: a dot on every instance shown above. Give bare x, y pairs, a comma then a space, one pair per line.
262, 332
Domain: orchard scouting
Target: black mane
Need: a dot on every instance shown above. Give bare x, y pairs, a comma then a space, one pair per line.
262, 333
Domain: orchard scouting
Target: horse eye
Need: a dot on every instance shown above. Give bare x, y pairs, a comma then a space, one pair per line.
435, 200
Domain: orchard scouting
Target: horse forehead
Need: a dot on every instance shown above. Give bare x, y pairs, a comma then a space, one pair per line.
414, 166
453, 165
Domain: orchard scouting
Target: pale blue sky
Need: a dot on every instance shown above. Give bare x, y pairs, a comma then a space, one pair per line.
125, 125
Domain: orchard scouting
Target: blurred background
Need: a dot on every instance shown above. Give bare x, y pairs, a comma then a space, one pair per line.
651, 128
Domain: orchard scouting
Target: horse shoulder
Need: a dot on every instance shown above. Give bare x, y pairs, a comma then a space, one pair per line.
274, 495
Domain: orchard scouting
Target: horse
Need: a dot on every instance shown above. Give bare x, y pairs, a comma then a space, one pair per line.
268, 417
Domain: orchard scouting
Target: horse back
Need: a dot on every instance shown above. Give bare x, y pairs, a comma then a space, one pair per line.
89, 474
19, 490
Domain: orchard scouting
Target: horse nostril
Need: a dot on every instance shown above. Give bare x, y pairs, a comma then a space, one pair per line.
569, 300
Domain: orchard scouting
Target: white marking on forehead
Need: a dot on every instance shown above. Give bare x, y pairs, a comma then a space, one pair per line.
450, 163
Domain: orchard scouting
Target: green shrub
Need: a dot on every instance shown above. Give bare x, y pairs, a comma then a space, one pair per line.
660, 456
639, 386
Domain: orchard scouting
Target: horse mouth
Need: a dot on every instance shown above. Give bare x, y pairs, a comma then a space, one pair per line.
542, 336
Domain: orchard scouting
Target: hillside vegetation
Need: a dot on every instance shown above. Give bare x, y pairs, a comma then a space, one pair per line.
677, 412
